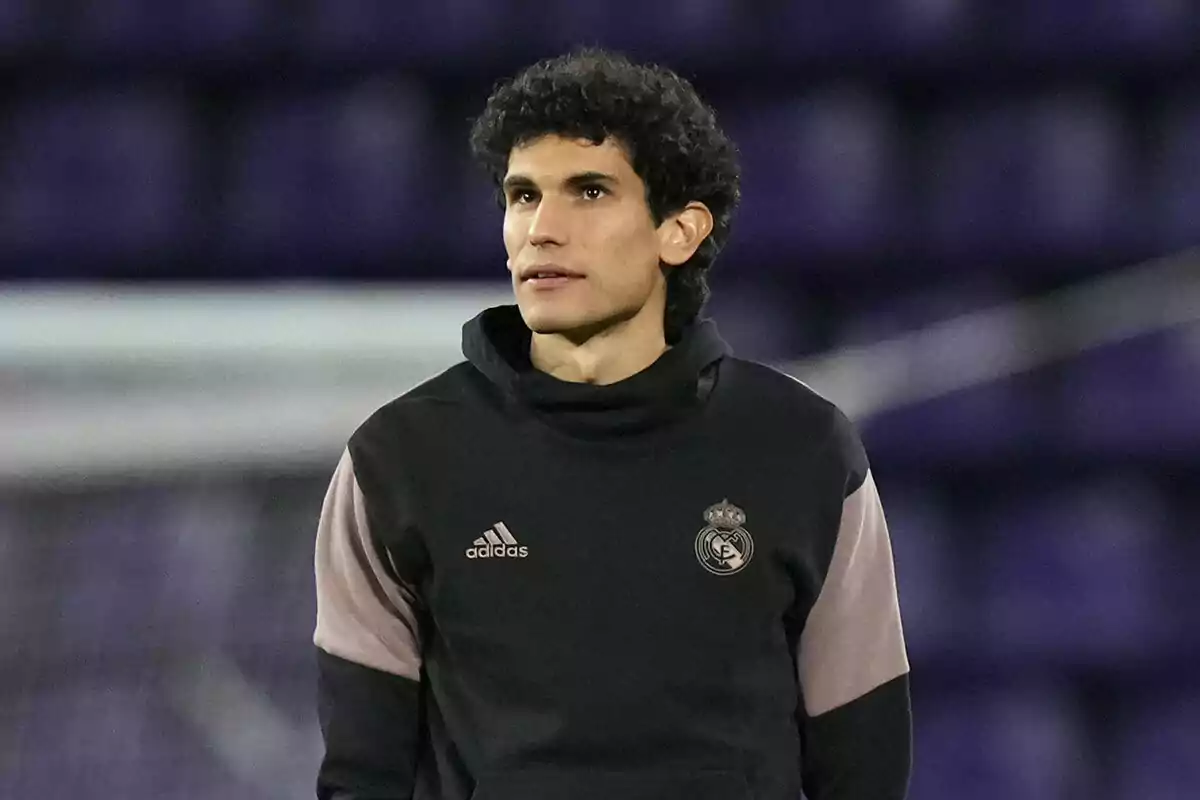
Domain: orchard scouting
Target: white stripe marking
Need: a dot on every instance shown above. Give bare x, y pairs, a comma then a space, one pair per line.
505, 534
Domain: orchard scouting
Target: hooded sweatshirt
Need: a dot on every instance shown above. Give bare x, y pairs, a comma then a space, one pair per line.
678, 586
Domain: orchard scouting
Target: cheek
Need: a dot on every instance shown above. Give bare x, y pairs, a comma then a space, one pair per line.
634, 246
514, 234
639, 258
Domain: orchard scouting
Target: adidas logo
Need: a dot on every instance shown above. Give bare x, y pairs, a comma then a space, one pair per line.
497, 542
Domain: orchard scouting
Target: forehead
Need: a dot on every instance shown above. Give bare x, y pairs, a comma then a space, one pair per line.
553, 157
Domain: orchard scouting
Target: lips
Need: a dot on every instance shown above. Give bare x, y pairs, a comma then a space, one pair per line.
544, 277
545, 272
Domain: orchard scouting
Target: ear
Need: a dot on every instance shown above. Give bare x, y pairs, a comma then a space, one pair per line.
682, 232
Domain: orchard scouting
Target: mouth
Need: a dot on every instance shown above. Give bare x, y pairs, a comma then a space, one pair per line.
549, 276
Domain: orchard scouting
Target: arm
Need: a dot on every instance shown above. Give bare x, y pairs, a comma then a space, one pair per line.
368, 655
856, 724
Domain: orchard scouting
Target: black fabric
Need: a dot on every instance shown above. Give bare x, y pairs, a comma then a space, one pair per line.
557, 784
611, 654
371, 722
862, 750
497, 342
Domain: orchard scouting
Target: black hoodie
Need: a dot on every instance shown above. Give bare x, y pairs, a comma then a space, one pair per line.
678, 586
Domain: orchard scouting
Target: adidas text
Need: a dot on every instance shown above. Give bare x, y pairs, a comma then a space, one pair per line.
498, 551
497, 542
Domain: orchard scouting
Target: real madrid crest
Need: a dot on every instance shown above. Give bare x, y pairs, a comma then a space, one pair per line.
724, 546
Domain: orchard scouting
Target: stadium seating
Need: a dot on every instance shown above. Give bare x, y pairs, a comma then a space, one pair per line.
118, 606
479, 243
925, 548
1157, 748
966, 426
96, 175
818, 176
685, 32
1134, 398
1004, 742
1075, 576
18, 26
1046, 175
1178, 175
1113, 28
905, 161
756, 321
78, 741
405, 34
182, 29
810, 30
344, 176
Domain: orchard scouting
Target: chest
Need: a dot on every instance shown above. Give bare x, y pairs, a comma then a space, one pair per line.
714, 541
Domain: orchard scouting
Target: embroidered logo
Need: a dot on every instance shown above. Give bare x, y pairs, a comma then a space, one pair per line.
497, 542
724, 547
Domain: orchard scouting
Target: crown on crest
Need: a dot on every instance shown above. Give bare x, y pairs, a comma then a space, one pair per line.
724, 515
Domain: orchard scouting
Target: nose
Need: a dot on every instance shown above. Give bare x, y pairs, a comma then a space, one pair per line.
549, 224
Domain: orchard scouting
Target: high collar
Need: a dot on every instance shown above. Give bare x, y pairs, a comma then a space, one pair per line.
497, 343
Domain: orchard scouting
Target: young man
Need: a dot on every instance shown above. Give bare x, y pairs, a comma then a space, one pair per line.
602, 559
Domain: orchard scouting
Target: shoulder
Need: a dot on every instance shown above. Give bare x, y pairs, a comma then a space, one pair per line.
788, 405
419, 406
770, 390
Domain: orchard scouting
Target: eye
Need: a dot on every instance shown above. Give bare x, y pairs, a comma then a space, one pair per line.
594, 191
521, 196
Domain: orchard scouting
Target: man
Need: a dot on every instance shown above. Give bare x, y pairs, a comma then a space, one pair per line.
602, 558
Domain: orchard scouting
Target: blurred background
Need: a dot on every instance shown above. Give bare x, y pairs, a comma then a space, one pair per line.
231, 229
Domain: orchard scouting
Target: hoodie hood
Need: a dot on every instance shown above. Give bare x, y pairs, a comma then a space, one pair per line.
497, 343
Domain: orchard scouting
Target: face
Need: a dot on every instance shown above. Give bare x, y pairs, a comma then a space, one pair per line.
583, 248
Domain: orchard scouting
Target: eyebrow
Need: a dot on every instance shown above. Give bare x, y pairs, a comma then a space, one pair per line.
573, 181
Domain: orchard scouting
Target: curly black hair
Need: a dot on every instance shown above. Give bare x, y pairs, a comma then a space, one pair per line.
670, 135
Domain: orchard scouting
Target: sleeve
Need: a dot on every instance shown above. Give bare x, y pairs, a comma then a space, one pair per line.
856, 720
368, 655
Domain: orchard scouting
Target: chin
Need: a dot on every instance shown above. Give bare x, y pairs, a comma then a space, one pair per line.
548, 321
543, 319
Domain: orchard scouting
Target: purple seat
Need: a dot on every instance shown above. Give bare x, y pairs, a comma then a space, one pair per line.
81, 742
278, 607
1051, 176
20, 25
977, 424
119, 740
998, 745
18, 552
1179, 177
1157, 749
343, 176
668, 31
804, 29
280, 610
420, 31
1073, 576
927, 573
182, 28
925, 413
894, 315
29, 593
758, 321
206, 543
818, 176
96, 176
1069, 28
1135, 397
118, 598
478, 238
1180, 558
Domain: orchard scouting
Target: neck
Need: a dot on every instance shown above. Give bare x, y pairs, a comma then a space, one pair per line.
607, 356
